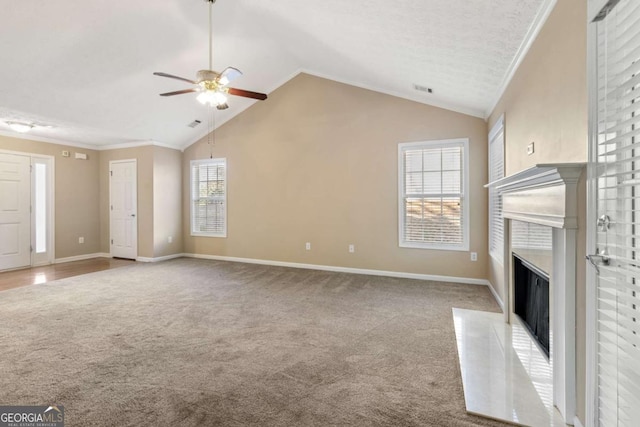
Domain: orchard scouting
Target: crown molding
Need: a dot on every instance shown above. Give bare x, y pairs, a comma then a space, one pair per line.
31, 137
536, 26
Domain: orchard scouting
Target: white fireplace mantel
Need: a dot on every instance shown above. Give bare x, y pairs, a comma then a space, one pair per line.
547, 194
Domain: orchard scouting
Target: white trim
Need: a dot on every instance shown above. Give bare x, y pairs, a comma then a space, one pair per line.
50, 208
31, 137
197, 163
37, 138
136, 144
159, 259
383, 273
591, 381
576, 422
419, 99
563, 321
82, 257
545, 194
51, 214
465, 194
495, 295
536, 26
135, 229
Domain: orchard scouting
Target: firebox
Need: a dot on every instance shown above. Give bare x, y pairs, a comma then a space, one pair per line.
531, 300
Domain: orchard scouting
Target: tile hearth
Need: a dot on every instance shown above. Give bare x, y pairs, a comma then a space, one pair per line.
504, 374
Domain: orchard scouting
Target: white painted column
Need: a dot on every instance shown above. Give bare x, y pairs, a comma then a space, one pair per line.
563, 321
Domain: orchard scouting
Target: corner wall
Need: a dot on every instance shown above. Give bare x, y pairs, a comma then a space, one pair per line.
159, 199
167, 202
546, 103
317, 162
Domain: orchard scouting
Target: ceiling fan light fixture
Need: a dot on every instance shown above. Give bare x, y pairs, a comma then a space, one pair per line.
20, 127
212, 98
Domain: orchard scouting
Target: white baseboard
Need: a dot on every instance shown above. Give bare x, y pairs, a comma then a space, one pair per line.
496, 296
576, 422
158, 259
383, 273
81, 257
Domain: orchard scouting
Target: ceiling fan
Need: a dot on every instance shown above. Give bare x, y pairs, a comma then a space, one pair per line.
211, 85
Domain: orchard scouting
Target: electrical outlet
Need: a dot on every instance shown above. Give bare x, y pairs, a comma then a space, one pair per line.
170, 239
474, 256
352, 248
307, 246
530, 149
80, 240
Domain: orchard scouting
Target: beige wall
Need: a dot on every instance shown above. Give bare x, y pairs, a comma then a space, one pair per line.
159, 198
76, 195
167, 201
144, 157
317, 162
546, 103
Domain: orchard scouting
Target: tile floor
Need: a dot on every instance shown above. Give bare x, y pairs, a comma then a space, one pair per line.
504, 374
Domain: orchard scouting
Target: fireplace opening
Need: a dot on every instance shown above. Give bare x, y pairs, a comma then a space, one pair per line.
531, 305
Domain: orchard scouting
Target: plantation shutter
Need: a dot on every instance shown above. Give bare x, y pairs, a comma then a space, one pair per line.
209, 197
618, 183
496, 171
433, 206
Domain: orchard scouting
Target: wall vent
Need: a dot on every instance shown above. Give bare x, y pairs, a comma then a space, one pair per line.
194, 123
421, 88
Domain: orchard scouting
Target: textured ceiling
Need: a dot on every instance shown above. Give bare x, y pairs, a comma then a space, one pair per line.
85, 67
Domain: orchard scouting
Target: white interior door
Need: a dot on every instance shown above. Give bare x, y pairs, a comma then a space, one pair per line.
123, 213
15, 216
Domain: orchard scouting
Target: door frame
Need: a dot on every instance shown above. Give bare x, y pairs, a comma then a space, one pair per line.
591, 339
51, 256
51, 223
112, 162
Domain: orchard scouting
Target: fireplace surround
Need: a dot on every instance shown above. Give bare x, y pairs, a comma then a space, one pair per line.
547, 194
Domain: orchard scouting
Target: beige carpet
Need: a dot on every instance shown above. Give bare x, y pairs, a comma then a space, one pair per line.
192, 342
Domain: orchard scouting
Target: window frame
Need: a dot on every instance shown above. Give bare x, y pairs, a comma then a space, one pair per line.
195, 165
464, 193
496, 134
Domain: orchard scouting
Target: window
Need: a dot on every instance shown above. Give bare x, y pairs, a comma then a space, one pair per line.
433, 206
209, 197
496, 171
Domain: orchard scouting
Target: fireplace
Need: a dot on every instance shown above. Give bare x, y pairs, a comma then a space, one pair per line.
531, 300
545, 195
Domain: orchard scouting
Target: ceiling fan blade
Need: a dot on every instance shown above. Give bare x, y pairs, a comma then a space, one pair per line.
179, 92
228, 75
174, 77
247, 94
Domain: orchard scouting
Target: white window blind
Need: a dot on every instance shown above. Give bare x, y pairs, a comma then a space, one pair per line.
618, 183
433, 207
530, 236
209, 197
496, 171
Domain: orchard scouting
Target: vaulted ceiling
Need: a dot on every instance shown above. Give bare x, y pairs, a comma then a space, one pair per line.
85, 67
